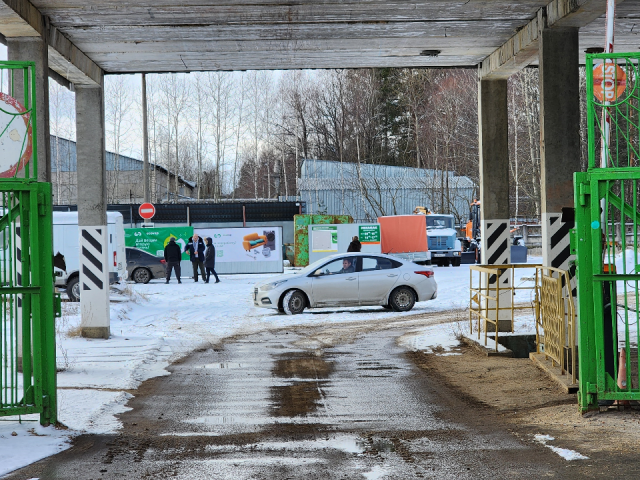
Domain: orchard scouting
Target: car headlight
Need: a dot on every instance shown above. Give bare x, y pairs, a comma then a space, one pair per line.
272, 285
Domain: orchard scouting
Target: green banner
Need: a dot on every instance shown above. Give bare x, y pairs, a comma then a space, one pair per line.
153, 240
369, 234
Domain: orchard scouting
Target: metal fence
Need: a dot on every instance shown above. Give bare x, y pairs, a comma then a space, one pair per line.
606, 194
27, 323
486, 295
556, 320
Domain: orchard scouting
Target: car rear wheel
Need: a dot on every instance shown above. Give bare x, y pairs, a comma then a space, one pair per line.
73, 289
141, 275
402, 299
294, 302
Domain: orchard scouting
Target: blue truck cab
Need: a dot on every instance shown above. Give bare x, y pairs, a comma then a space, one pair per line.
442, 240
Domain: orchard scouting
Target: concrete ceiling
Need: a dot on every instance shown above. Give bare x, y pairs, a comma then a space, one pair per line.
87, 37
163, 35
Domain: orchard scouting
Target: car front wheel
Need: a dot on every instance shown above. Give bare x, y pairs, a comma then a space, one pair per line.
141, 275
294, 302
402, 299
73, 289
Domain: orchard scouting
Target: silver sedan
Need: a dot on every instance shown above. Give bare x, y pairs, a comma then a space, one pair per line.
349, 279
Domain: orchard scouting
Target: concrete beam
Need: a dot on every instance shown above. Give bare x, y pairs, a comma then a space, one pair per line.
19, 18
522, 49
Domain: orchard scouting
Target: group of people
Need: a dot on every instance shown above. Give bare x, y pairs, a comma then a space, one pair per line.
202, 256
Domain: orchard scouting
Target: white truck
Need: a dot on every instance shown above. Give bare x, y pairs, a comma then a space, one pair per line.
66, 237
444, 245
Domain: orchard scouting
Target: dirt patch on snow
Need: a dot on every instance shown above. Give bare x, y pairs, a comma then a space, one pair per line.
524, 396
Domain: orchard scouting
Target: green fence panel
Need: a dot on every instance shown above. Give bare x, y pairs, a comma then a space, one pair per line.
27, 328
301, 233
605, 239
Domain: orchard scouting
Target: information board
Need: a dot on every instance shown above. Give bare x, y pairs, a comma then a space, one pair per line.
369, 234
153, 240
246, 249
324, 238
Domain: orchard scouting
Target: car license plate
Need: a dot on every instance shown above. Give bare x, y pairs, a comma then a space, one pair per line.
438, 255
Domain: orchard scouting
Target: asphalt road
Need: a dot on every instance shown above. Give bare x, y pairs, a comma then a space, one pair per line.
279, 406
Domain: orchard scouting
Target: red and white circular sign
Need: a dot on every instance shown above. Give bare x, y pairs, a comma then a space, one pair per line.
147, 210
15, 140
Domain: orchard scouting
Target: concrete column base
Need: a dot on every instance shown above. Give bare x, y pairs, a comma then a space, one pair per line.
96, 332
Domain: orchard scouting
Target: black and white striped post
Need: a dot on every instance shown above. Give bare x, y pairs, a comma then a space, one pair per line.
559, 141
556, 250
494, 188
92, 213
496, 250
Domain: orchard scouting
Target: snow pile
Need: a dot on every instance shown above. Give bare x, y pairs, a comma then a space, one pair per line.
563, 452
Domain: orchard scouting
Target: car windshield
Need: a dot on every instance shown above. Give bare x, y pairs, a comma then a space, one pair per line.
434, 221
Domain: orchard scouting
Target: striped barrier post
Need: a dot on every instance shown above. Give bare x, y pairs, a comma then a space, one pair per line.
496, 250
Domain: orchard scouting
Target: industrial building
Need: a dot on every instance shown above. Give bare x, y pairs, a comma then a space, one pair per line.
367, 191
124, 177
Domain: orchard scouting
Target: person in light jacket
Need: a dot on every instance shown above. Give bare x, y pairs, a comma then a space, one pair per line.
210, 261
195, 247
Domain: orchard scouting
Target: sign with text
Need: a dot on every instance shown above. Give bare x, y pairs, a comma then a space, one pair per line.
324, 238
153, 240
369, 234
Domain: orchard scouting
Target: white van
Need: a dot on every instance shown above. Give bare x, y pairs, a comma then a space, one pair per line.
66, 237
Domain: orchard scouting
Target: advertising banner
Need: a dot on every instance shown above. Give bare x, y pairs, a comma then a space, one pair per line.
246, 249
369, 234
324, 238
153, 240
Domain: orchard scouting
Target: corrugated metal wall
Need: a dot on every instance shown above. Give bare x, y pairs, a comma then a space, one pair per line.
365, 193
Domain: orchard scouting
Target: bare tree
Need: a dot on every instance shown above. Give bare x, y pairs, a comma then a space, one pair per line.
119, 100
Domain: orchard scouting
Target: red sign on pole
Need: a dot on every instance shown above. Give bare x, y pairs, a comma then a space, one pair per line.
147, 210
609, 81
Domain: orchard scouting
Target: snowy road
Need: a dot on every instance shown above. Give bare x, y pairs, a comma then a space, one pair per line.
277, 406
153, 325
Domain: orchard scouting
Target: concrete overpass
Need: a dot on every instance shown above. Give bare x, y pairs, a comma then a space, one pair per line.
82, 40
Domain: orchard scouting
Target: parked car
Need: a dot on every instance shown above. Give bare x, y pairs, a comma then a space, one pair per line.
349, 280
143, 266
66, 241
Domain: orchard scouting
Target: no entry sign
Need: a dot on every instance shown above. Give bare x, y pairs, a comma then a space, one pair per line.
147, 210
609, 81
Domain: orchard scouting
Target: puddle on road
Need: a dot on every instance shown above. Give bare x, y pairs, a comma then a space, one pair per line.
299, 398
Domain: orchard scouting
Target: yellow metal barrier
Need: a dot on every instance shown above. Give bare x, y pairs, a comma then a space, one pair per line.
555, 312
484, 298
557, 318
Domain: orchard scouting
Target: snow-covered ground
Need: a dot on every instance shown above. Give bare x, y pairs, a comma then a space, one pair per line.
155, 324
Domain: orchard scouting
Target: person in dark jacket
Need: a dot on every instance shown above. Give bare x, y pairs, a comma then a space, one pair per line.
172, 255
355, 245
195, 247
210, 260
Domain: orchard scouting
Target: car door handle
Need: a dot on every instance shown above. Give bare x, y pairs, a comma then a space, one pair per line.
351, 278
392, 275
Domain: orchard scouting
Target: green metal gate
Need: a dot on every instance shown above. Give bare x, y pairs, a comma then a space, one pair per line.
605, 239
27, 325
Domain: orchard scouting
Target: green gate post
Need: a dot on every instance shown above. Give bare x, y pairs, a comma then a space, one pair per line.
26, 269
605, 195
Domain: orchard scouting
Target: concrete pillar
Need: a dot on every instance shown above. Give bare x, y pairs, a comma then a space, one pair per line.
92, 212
34, 49
559, 138
494, 185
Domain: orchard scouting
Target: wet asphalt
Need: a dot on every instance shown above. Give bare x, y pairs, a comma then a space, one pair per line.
264, 407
